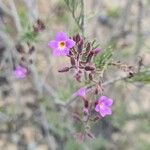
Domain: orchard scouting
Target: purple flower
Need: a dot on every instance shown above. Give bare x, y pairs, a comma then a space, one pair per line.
97, 51
61, 44
20, 72
81, 92
103, 106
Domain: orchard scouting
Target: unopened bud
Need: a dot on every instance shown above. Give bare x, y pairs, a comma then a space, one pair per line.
65, 69
80, 46
72, 61
90, 76
31, 50
88, 47
96, 51
89, 68
89, 134
89, 57
78, 38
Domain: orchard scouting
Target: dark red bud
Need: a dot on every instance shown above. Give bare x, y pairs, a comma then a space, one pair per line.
89, 68
70, 53
20, 48
88, 47
96, 103
80, 46
89, 134
74, 38
89, 57
23, 59
65, 69
78, 77
96, 91
96, 118
38, 26
90, 76
31, 50
72, 61
78, 38
86, 104
131, 74
79, 71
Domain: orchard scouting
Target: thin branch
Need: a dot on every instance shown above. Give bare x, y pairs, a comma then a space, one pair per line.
83, 18
15, 15
139, 28
73, 15
44, 122
5, 9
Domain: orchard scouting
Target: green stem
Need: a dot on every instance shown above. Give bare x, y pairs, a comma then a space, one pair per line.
73, 15
83, 18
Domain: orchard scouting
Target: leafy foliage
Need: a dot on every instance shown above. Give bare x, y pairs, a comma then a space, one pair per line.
30, 36
104, 58
141, 77
73, 6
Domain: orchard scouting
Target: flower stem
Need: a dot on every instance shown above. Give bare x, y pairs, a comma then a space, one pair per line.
83, 18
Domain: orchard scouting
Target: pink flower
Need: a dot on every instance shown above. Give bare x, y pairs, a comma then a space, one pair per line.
61, 44
20, 72
103, 106
81, 92
97, 51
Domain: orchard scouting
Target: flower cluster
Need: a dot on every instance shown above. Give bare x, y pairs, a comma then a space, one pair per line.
80, 52
102, 105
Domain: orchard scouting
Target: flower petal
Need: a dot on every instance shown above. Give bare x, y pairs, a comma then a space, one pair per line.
81, 92
61, 36
70, 43
102, 98
97, 109
60, 52
53, 44
105, 111
108, 102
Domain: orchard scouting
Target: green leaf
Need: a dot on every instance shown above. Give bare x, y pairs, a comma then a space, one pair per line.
141, 77
30, 36
103, 58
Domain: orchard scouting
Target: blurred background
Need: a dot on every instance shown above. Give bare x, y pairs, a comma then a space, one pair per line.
30, 117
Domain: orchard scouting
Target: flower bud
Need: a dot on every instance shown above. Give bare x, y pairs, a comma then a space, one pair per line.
78, 38
31, 49
72, 61
90, 134
86, 104
20, 48
65, 69
89, 68
90, 76
89, 57
88, 47
96, 51
80, 46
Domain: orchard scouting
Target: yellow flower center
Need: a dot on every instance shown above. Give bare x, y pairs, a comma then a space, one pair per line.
101, 105
61, 44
